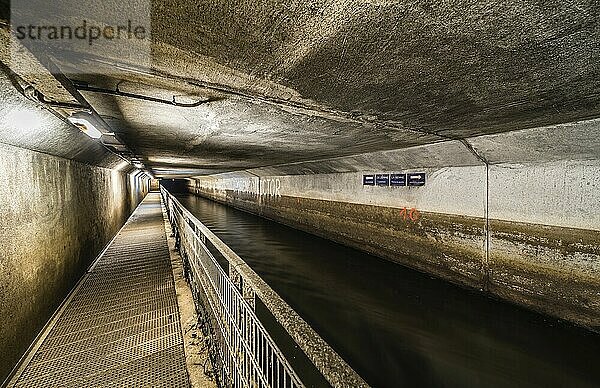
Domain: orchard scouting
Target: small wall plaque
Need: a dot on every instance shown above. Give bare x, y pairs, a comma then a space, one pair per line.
416, 179
382, 179
369, 180
398, 180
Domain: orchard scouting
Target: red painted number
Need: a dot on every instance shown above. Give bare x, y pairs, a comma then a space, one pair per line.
410, 214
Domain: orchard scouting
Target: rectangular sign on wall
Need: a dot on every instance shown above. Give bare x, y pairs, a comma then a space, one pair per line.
395, 180
382, 179
398, 180
416, 179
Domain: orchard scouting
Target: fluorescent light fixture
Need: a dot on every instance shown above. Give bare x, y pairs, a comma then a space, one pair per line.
121, 165
168, 160
86, 127
24, 121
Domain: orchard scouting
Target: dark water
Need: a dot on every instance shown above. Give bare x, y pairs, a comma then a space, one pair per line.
400, 328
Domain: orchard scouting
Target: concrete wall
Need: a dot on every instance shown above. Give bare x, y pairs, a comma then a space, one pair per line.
56, 215
63, 196
516, 214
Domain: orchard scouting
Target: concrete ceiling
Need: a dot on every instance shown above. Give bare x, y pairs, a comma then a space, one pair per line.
296, 81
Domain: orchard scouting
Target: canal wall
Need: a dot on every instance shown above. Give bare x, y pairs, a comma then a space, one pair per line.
63, 197
516, 214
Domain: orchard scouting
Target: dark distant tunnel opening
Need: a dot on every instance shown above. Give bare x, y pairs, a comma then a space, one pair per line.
175, 185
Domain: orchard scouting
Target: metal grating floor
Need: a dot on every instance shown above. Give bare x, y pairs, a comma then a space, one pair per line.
121, 327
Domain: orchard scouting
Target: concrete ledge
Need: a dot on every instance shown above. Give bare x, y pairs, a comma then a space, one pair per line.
196, 352
547, 268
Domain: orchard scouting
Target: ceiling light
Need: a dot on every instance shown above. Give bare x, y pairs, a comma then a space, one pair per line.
121, 165
24, 121
86, 127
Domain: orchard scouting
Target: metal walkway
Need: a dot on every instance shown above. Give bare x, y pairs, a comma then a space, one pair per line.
121, 326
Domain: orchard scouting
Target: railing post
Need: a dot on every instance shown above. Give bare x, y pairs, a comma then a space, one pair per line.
244, 353
249, 296
235, 277
244, 289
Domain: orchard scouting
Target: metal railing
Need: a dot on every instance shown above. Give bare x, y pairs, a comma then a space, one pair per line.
244, 354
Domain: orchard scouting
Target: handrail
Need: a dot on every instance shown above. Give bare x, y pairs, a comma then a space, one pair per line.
248, 285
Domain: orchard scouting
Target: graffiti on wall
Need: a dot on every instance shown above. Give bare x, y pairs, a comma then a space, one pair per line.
271, 188
410, 214
265, 187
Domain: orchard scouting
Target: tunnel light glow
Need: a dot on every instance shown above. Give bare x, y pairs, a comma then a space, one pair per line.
121, 165
24, 121
86, 127
169, 160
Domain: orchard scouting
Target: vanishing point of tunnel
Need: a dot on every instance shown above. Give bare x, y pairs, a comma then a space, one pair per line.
319, 193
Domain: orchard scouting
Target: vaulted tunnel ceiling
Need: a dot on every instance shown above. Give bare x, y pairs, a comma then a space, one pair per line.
290, 81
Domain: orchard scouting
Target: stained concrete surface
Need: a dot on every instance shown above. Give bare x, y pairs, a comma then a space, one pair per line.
121, 325
196, 344
552, 268
496, 102
297, 81
56, 216
516, 214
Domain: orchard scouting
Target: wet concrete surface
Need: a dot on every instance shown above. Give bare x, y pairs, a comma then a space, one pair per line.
399, 327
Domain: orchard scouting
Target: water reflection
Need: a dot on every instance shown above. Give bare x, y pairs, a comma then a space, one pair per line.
397, 327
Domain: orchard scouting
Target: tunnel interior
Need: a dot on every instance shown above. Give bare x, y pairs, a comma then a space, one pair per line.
413, 140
